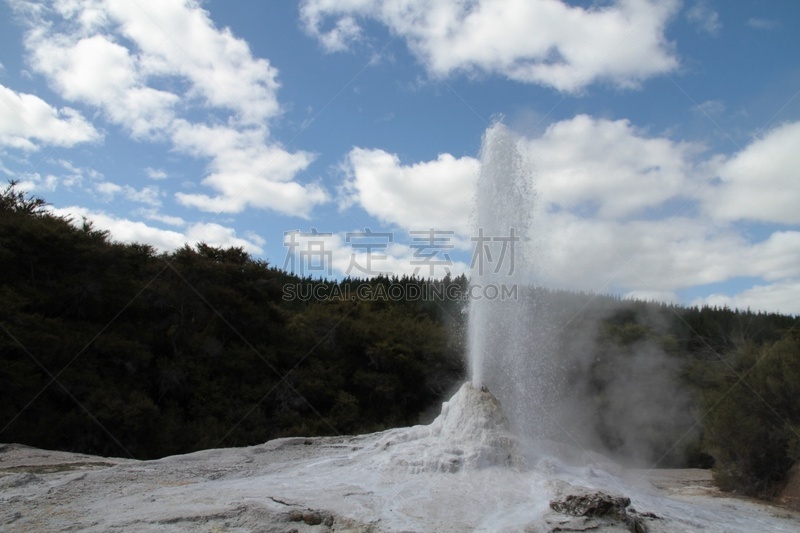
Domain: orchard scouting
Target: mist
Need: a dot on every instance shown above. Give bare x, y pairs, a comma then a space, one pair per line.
607, 380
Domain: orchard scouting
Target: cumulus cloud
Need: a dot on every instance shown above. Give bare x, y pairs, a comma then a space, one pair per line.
763, 24
621, 246
781, 297
147, 65
659, 256
760, 181
146, 195
35, 182
130, 231
544, 42
776, 258
152, 214
155, 173
27, 121
401, 259
245, 171
180, 39
172, 38
705, 18
418, 196
637, 255
710, 108
72, 175
610, 166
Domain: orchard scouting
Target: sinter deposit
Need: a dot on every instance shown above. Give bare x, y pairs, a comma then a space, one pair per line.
471, 432
463, 472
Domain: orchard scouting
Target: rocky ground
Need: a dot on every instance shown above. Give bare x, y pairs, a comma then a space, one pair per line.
464, 472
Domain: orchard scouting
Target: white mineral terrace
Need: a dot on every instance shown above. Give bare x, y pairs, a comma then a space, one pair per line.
463, 472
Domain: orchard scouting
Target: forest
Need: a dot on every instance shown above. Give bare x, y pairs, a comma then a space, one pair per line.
115, 349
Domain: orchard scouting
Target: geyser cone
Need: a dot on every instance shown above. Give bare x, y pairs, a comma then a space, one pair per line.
475, 421
472, 432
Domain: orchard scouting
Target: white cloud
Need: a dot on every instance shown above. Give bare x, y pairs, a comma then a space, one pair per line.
146, 195
89, 69
337, 39
760, 182
609, 165
658, 256
400, 259
544, 42
152, 214
75, 175
640, 255
710, 108
172, 39
776, 258
763, 24
108, 189
609, 250
245, 171
781, 297
179, 38
35, 182
627, 175
148, 64
434, 194
155, 173
218, 235
5, 170
255, 237
705, 18
27, 121
130, 231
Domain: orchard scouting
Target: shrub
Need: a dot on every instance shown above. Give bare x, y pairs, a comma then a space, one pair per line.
753, 416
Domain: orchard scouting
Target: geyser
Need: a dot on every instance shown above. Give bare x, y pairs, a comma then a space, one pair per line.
503, 204
507, 342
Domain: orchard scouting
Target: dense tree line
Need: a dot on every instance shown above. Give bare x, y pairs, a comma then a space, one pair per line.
115, 349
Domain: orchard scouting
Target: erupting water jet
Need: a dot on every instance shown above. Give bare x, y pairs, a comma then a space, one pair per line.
508, 344
503, 209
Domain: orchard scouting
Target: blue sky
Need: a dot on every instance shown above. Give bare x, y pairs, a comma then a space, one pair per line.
664, 134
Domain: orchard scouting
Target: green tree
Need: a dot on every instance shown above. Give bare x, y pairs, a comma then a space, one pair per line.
753, 417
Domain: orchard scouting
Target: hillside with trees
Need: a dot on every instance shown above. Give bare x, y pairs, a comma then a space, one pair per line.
115, 349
